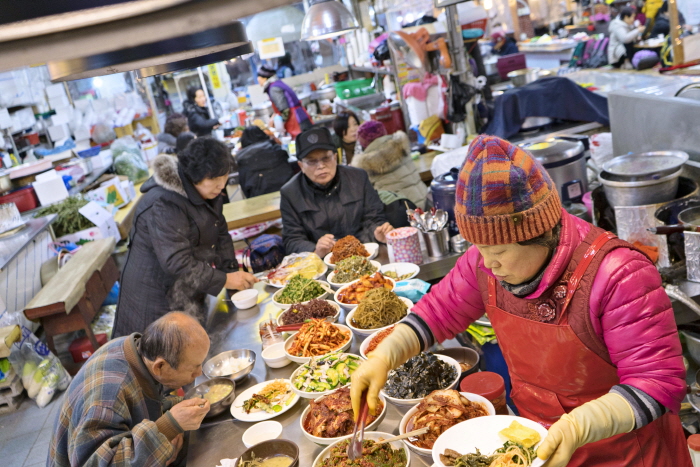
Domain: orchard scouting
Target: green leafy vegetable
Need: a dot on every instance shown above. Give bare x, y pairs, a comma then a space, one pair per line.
69, 219
300, 289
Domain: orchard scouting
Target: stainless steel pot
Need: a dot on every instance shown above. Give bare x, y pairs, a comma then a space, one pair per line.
5, 182
647, 164
653, 190
564, 161
263, 110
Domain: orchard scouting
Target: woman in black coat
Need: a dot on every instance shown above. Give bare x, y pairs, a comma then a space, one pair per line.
262, 163
180, 250
195, 109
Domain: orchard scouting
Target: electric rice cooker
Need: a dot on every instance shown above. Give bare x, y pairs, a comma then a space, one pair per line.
565, 162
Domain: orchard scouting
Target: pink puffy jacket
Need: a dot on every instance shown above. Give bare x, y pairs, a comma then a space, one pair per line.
630, 312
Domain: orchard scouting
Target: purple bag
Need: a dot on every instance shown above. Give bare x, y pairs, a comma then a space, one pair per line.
645, 59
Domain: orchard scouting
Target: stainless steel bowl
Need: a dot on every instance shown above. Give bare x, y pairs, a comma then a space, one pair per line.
271, 448
639, 193
217, 407
213, 364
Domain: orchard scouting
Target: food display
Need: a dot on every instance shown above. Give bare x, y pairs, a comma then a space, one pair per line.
302, 312
272, 398
439, 411
326, 373
355, 292
347, 247
377, 339
331, 416
275, 461
379, 308
382, 455
510, 455
306, 265
419, 376
218, 392
318, 337
352, 268
300, 289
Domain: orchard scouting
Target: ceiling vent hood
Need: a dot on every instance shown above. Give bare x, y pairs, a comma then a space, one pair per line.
116, 36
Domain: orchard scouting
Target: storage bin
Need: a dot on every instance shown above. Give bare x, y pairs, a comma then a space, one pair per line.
354, 88
81, 348
24, 198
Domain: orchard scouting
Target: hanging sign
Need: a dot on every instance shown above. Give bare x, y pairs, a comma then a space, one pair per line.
214, 76
271, 48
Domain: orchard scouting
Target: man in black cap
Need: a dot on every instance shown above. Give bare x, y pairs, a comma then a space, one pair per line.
326, 202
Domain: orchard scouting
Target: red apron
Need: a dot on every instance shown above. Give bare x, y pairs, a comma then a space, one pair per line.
553, 371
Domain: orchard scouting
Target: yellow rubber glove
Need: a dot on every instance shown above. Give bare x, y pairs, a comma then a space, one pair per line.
393, 351
598, 419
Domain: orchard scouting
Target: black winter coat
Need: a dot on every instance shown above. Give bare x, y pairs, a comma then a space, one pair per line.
263, 168
351, 207
179, 252
198, 119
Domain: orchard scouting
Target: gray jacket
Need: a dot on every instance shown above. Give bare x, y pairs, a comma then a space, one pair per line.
179, 252
388, 162
350, 207
620, 33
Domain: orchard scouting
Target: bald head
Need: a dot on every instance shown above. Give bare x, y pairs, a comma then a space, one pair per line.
171, 337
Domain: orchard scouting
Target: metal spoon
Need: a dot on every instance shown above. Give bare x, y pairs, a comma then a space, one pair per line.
441, 217
355, 445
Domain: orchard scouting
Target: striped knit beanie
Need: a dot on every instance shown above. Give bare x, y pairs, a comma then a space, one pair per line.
504, 195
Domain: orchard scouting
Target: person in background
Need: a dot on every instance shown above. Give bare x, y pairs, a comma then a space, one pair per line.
662, 22
582, 319
502, 44
623, 35
345, 127
285, 69
284, 102
175, 124
326, 202
262, 163
115, 412
387, 161
180, 250
195, 108
183, 140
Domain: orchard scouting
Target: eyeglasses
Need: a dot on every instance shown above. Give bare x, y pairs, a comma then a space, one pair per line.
325, 160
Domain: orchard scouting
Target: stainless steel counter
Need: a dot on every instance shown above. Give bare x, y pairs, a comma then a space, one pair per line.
220, 437
12, 245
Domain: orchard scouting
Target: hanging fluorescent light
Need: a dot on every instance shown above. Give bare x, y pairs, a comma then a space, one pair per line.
327, 18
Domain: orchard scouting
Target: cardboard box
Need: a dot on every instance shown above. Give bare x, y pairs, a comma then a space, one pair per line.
58, 132
50, 190
56, 90
59, 102
101, 160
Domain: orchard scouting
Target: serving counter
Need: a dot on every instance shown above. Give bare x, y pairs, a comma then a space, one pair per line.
220, 437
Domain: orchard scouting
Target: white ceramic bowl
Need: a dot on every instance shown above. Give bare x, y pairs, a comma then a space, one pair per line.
362, 333
263, 431
284, 306
373, 435
275, 357
365, 343
315, 395
332, 319
372, 249
327, 441
411, 402
294, 358
409, 415
349, 306
245, 299
337, 285
401, 269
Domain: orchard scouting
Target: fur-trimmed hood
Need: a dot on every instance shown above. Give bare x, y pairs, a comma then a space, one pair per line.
385, 154
166, 175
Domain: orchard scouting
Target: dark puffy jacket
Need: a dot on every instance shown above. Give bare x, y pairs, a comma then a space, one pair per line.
198, 118
263, 168
351, 207
179, 252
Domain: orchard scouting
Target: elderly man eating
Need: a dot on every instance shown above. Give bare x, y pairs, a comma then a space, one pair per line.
115, 412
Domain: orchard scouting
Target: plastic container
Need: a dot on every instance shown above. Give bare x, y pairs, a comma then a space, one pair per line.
354, 88
92, 152
405, 245
694, 448
588, 202
489, 385
81, 348
24, 198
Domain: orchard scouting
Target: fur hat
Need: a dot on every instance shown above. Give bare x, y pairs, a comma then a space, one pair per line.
504, 195
369, 131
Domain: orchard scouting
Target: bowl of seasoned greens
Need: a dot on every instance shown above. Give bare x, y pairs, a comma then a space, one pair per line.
351, 269
315, 309
400, 271
380, 309
300, 290
325, 374
419, 376
393, 454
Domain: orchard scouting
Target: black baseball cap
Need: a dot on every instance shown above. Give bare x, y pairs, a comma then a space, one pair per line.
315, 138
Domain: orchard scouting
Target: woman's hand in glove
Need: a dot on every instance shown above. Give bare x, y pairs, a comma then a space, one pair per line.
598, 419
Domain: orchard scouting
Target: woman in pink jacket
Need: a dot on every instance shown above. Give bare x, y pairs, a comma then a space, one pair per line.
584, 324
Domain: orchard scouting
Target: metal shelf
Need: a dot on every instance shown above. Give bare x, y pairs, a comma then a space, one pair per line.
378, 71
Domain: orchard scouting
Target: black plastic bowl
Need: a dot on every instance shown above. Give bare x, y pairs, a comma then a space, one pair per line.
271, 448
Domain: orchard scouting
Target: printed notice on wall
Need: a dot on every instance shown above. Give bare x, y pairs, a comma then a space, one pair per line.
271, 48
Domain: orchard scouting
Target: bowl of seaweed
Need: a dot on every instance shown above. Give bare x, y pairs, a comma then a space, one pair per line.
419, 376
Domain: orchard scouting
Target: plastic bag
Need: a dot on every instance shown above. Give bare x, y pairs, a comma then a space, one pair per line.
132, 166
601, 148
41, 371
412, 289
